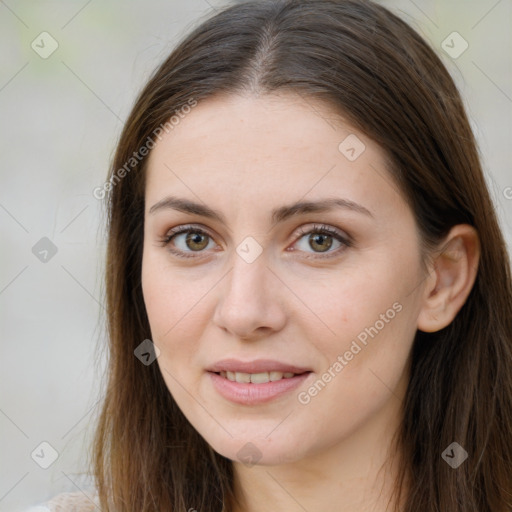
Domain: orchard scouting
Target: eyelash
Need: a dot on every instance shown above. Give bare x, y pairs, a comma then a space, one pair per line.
320, 229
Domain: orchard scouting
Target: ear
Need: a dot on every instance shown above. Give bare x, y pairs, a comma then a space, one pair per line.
453, 270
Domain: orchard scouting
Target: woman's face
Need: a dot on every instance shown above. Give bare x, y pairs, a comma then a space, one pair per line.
285, 311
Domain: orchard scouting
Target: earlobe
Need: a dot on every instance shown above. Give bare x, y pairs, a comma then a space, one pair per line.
452, 275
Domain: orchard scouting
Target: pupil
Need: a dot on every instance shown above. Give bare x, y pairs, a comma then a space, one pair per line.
195, 239
318, 239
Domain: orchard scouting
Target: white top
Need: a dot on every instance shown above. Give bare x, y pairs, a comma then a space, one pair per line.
69, 502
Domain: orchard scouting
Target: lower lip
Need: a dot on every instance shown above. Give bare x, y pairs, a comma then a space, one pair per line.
253, 394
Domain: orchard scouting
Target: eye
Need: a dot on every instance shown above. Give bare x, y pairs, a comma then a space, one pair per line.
321, 239
184, 241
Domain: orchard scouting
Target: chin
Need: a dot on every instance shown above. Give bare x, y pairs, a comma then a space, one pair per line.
254, 448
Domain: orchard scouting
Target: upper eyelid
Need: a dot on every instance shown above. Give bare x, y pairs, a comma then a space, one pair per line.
304, 229
183, 228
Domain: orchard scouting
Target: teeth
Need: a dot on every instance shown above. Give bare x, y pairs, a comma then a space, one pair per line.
260, 378
242, 377
256, 378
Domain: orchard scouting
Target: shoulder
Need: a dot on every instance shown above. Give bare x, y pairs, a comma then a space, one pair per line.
69, 502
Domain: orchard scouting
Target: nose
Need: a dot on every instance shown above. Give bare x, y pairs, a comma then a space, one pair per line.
250, 304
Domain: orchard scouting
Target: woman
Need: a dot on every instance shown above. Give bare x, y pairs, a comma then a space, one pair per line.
309, 297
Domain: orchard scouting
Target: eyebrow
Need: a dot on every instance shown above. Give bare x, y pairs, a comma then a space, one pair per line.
278, 215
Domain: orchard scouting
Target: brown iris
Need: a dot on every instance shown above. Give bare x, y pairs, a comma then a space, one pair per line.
318, 239
196, 241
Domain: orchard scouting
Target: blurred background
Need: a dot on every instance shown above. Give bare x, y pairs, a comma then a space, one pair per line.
69, 73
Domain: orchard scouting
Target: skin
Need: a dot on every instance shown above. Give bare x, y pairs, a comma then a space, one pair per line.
245, 156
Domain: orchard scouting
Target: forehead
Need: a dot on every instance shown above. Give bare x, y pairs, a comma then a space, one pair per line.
240, 127
246, 149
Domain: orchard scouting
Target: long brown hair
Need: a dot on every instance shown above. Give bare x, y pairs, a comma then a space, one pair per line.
380, 74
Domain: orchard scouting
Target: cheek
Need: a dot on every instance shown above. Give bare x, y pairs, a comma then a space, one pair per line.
362, 323
339, 304
373, 316
174, 324
174, 301
175, 313
364, 375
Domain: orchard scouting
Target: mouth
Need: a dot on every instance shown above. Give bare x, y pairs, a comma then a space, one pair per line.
257, 378
255, 382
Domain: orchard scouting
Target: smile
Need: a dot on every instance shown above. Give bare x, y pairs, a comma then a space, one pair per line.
256, 378
252, 389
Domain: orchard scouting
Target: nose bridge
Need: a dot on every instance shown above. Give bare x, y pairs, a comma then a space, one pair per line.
248, 300
247, 283
248, 278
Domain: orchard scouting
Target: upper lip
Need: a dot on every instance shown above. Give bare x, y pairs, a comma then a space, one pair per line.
255, 366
